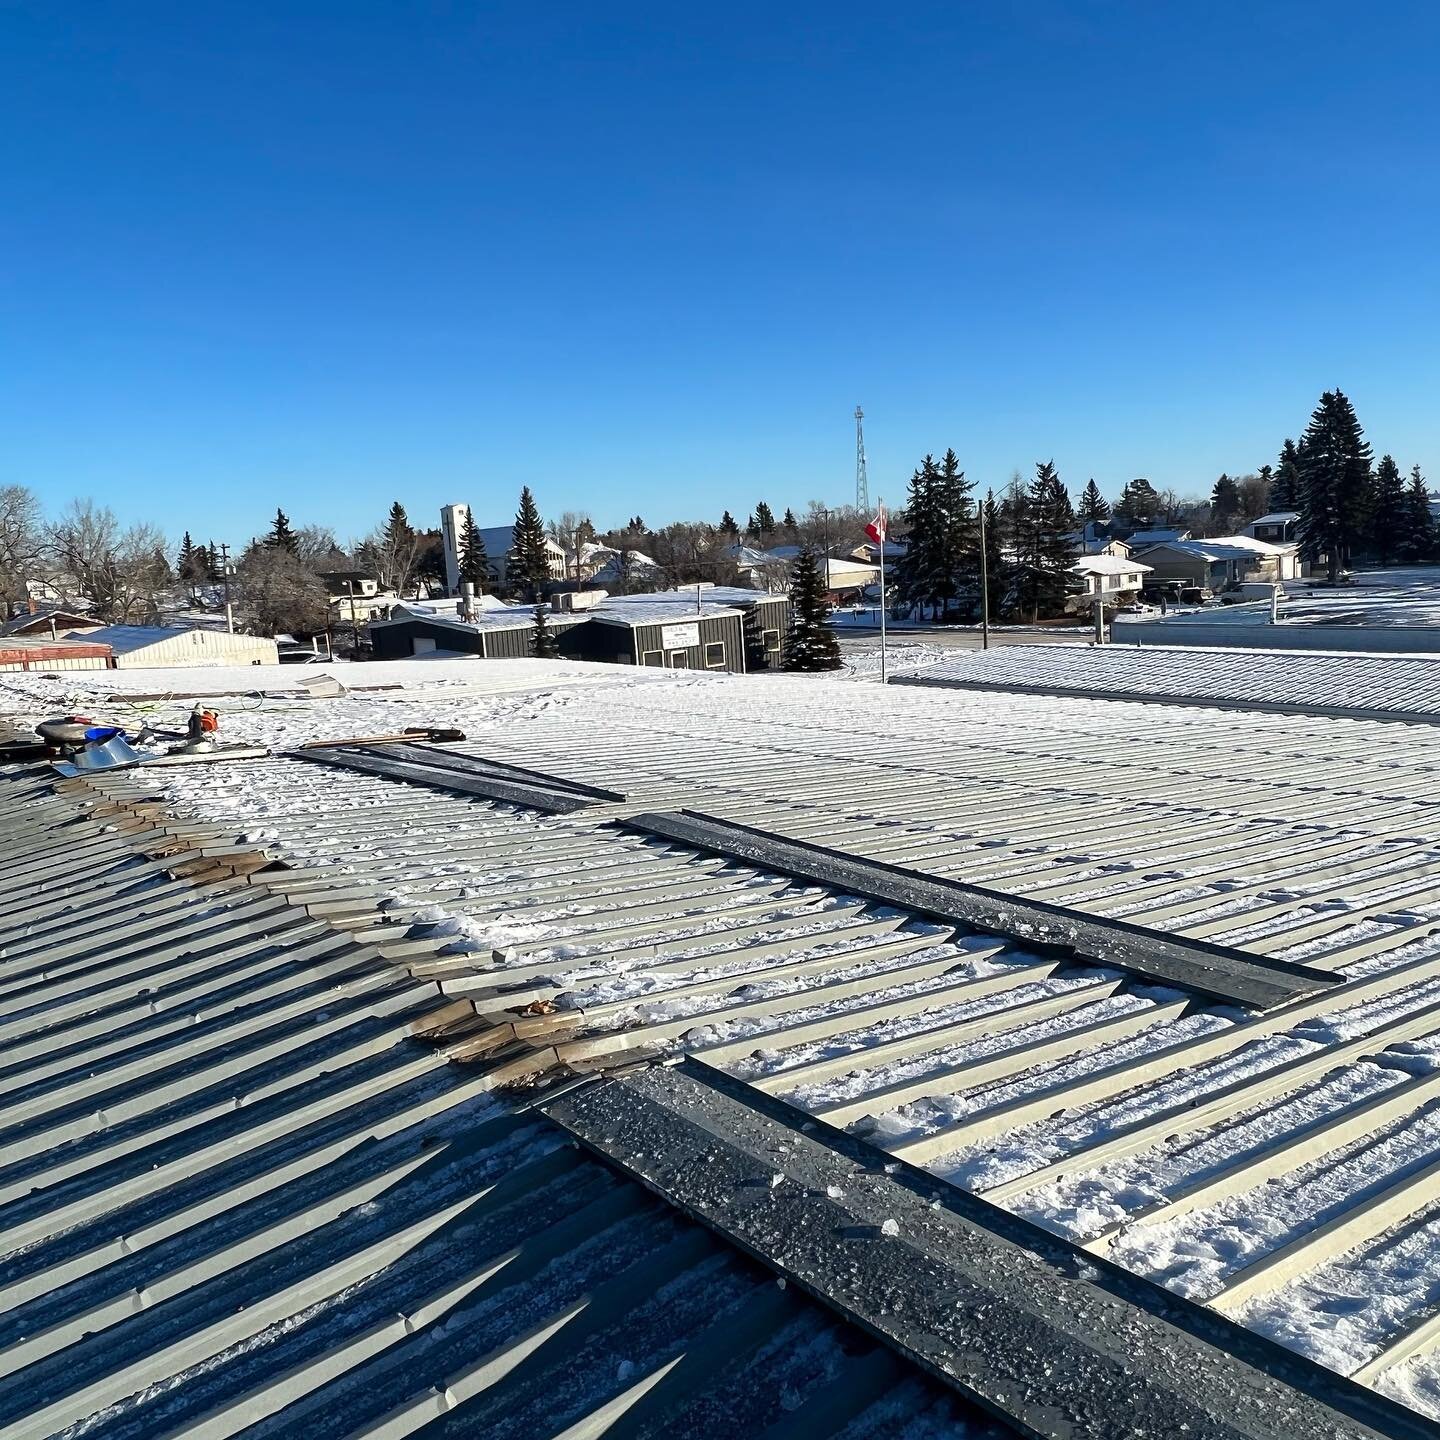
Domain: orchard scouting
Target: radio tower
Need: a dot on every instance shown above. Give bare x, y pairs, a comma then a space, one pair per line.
862, 479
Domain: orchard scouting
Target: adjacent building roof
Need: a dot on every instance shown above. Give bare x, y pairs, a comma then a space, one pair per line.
1137, 538
1279, 517
126, 639
1223, 547
40, 622
1109, 565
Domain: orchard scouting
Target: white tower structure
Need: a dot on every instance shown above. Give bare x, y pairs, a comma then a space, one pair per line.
453, 520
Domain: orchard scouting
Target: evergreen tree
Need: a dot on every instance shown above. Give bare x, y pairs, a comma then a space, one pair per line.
757, 657
281, 536
214, 564
192, 568
1417, 525
958, 540
918, 570
474, 562
813, 645
1139, 503
752, 525
1335, 482
994, 555
527, 568
1390, 513
1093, 506
1046, 551
789, 524
546, 647
1225, 503
1285, 487
728, 525
764, 521
398, 531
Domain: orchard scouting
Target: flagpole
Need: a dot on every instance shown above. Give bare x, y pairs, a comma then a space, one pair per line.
883, 528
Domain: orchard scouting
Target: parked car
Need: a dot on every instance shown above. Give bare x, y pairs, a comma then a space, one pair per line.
1195, 594
1246, 592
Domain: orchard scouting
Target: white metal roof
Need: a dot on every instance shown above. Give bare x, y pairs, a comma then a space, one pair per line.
1109, 565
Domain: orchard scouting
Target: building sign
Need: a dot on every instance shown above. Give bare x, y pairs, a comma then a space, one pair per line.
680, 637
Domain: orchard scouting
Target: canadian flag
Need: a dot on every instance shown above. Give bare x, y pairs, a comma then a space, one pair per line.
876, 528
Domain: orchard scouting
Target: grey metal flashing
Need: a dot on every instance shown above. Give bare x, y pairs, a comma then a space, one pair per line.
1215, 971
1150, 697
489, 787
1016, 1319
439, 758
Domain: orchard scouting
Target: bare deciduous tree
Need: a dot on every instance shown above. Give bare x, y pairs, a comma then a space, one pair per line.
22, 541
121, 572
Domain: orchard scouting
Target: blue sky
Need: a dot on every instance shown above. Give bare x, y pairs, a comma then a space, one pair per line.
648, 259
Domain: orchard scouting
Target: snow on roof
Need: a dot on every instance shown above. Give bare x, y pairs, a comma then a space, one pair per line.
716, 594
1154, 537
1109, 565
1225, 547
673, 610
1280, 517
509, 617
125, 639
42, 620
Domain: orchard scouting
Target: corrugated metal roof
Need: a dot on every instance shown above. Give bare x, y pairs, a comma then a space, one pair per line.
238, 1195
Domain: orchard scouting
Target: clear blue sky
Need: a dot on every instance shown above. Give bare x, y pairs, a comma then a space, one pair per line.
649, 259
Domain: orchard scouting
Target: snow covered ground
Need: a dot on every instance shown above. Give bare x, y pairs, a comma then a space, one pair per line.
1168, 1134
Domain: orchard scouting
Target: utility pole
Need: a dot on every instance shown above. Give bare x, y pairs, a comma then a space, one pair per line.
984, 584
862, 476
225, 571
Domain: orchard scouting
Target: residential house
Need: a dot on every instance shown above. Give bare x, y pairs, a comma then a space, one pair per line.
1225, 560
1279, 529
1108, 574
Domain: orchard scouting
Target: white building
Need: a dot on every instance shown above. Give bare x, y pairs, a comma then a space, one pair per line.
138, 647
453, 520
1109, 574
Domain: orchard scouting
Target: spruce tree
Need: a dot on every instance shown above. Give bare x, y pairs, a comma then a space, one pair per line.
527, 568
752, 525
813, 645
281, 536
1093, 506
1046, 551
1139, 503
474, 562
1225, 503
917, 570
789, 524
546, 647
757, 657
994, 555
958, 538
215, 565
1335, 482
728, 525
1417, 529
1390, 512
185, 560
764, 521
1285, 487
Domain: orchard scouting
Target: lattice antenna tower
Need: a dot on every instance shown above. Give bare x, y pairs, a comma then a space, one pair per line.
862, 477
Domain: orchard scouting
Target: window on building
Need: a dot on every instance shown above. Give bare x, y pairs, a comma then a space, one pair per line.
772, 641
679, 659
714, 655
653, 657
